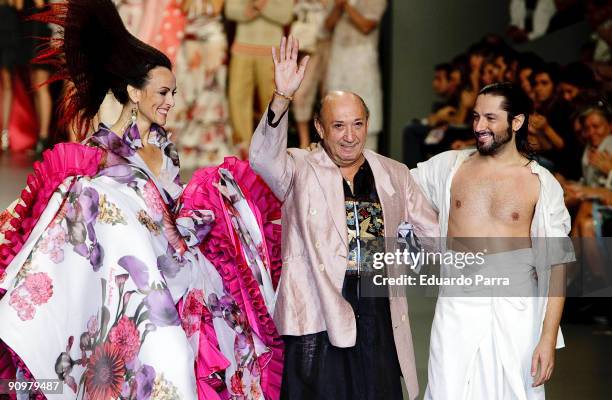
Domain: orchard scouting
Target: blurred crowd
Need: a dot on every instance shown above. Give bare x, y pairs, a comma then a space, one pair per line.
569, 129
221, 54
18, 45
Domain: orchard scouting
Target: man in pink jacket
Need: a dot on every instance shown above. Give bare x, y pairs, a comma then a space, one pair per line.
339, 344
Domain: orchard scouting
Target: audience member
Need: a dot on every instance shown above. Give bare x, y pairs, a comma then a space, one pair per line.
444, 87
259, 26
576, 78
490, 72
309, 28
550, 127
523, 28
201, 112
9, 58
35, 34
593, 193
599, 17
476, 56
446, 123
354, 48
527, 62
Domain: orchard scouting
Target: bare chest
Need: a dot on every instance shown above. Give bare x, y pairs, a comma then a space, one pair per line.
487, 197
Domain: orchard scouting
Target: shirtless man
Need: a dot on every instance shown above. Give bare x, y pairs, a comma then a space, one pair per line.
494, 347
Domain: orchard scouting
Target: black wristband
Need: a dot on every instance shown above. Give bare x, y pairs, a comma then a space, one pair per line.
272, 116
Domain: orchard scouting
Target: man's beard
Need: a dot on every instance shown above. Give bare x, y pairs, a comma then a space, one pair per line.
497, 142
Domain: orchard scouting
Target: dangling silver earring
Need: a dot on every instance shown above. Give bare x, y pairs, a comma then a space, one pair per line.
131, 134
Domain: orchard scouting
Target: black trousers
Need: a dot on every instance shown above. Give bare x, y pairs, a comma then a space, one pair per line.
316, 370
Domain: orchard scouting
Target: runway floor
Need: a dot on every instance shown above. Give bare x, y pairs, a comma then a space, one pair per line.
583, 369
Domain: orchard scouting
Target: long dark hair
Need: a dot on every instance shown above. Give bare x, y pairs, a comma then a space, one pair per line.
96, 53
515, 103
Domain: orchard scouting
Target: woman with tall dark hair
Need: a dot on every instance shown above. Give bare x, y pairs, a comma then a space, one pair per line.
103, 280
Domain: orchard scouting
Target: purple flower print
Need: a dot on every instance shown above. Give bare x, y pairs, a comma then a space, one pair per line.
132, 137
137, 270
120, 280
82, 250
126, 389
96, 256
134, 364
162, 311
145, 377
242, 344
224, 308
168, 266
81, 215
121, 173
114, 143
89, 201
77, 232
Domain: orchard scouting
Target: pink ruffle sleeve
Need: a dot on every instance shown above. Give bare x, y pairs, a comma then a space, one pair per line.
220, 250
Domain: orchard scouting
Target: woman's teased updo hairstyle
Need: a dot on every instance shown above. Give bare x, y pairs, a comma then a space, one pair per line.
96, 53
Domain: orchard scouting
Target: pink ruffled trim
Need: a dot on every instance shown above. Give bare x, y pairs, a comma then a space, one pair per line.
18, 363
210, 360
7, 365
213, 361
219, 249
65, 160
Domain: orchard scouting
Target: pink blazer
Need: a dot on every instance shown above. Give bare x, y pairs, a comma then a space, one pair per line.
315, 239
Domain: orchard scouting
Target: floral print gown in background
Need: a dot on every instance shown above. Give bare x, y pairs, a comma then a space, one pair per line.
191, 34
201, 113
98, 269
347, 41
